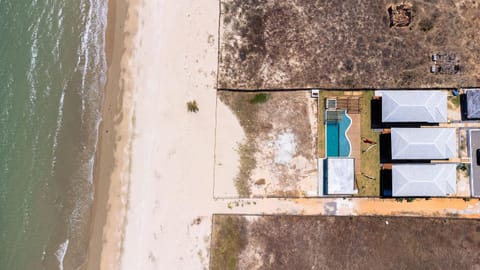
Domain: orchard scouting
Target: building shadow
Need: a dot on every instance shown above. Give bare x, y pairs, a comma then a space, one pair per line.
386, 183
385, 148
376, 114
464, 107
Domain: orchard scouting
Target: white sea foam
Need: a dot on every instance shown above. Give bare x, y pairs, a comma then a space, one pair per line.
57, 129
82, 203
44, 253
91, 64
33, 66
60, 29
91, 163
85, 49
31, 75
60, 253
90, 51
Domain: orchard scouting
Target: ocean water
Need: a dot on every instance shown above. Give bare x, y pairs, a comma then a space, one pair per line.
52, 74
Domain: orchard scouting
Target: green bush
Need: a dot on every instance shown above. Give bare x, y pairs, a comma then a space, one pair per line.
192, 106
426, 25
259, 98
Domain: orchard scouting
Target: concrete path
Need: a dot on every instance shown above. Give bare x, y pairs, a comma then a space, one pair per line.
436, 207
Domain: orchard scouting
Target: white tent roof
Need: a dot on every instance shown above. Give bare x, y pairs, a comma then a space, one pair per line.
414, 106
422, 180
424, 143
340, 176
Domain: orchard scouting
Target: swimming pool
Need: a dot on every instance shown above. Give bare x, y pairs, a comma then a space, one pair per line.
337, 142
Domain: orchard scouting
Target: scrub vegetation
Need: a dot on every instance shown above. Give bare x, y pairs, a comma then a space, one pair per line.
247, 164
259, 98
320, 242
229, 238
295, 44
192, 106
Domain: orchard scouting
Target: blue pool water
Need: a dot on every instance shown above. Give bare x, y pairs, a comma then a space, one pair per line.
337, 142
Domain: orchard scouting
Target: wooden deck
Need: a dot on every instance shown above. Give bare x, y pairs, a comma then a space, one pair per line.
349, 103
353, 134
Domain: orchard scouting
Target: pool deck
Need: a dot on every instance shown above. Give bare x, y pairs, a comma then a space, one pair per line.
353, 134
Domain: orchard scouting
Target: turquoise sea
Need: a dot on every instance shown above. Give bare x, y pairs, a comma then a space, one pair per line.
52, 74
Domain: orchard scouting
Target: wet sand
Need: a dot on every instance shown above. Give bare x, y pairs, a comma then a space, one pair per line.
112, 161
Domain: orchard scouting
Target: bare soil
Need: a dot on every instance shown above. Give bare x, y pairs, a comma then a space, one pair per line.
278, 156
267, 44
319, 242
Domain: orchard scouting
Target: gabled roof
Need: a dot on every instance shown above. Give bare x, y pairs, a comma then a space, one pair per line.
473, 104
414, 106
423, 180
423, 143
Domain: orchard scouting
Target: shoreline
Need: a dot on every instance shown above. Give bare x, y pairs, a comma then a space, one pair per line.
110, 177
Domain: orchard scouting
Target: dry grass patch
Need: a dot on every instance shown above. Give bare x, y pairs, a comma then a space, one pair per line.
369, 183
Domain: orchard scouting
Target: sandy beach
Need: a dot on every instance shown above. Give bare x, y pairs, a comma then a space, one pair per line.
155, 159
172, 149
154, 172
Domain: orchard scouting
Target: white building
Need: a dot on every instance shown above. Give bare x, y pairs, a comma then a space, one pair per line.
339, 176
414, 106
423, 143
423, 180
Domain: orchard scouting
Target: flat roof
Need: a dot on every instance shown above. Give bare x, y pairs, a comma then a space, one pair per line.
423, 143
424, 180
474, 144
414, 106
340, 176
473, 103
